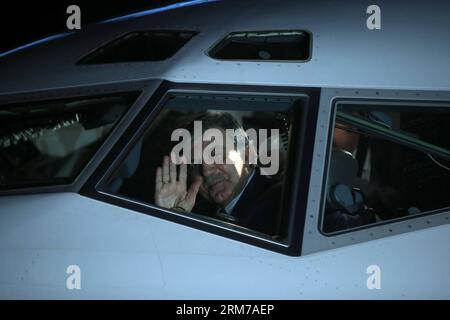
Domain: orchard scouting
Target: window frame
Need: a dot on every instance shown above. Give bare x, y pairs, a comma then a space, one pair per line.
80, 60
222, 39
302, 147
315, 240
336, 104
140, 87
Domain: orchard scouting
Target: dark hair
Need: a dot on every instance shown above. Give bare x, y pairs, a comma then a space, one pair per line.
222, 120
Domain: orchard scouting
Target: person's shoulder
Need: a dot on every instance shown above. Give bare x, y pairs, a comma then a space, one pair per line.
260, 204
266, 183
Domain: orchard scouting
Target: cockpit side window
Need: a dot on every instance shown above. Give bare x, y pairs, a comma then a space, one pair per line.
215, 158
49, 143
387, 163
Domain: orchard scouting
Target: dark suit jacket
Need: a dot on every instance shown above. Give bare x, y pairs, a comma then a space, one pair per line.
258, 207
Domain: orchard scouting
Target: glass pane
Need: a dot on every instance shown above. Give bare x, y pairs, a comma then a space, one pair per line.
228, 161
373, 178
273, 45
422, 126
45, 143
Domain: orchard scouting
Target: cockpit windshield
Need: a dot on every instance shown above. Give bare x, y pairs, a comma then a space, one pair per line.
45, 143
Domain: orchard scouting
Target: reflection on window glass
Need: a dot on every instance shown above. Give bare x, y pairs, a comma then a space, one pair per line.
217, 157
45, 143
387, 164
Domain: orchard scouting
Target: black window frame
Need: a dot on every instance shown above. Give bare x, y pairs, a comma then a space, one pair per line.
81, 61
61, 94
297, 183
373, 104
210, 52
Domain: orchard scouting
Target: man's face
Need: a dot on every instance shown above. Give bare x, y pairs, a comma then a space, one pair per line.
221, 181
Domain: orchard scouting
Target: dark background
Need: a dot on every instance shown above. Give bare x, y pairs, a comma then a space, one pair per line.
22, 22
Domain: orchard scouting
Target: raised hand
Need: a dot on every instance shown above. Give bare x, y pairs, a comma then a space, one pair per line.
171, 192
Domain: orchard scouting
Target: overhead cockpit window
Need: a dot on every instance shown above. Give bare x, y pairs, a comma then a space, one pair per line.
387, 163
214, 157
47, 143
139, 46
270, 45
